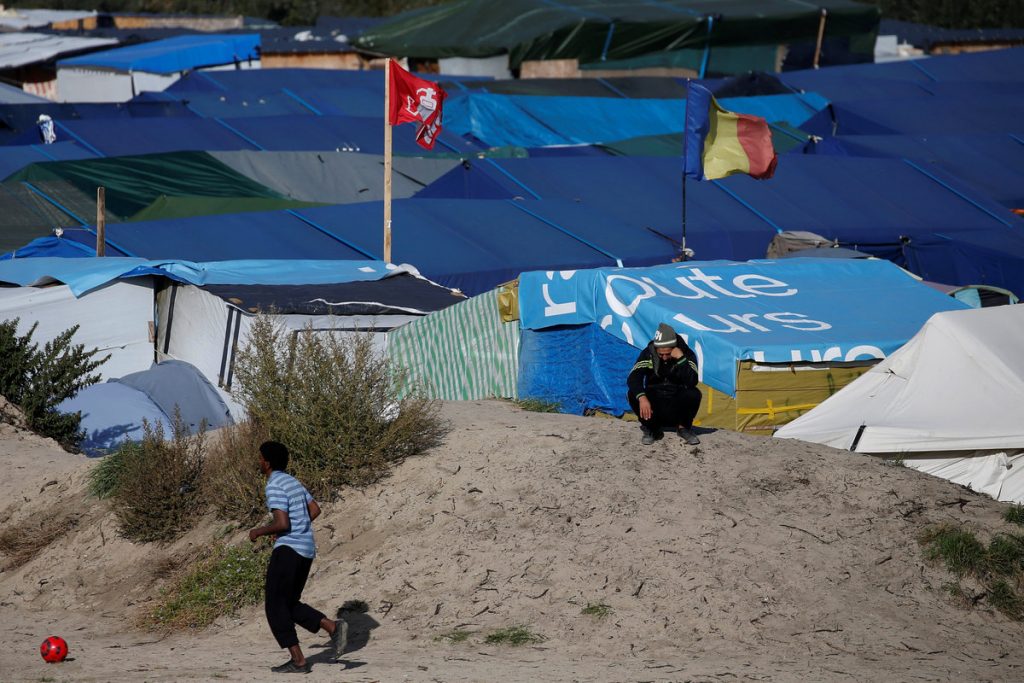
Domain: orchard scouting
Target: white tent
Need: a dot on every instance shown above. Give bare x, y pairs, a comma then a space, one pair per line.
950, 403
116, 318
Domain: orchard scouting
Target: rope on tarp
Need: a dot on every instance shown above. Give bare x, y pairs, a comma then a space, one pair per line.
240, 134
511, 177
301, 101
310, 222
742, 201
78, 139
556, 226
957, 192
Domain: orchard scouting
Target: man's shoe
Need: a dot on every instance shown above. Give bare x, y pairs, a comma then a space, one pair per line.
687, 436
291, 667
648, 438
339, 639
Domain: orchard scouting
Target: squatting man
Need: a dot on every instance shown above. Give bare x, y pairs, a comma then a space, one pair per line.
663, 389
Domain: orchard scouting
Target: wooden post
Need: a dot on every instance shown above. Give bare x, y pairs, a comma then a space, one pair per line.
821, 36
387, 161
101, 221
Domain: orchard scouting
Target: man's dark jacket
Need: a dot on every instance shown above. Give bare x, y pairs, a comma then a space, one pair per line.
651, 375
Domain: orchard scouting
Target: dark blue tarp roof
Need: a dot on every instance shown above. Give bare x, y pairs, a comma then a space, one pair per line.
174, 54
877, 80
131, 136
919, 115
15, 158
992, 163
870, 203
477, 227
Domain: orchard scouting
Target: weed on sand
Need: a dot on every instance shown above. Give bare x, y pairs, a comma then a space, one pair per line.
1014, 514
598, 610
454, 637
19, 544
515, 636
998, 567
224, 582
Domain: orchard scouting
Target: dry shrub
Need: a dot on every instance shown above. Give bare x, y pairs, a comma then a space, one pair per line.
21, 543
157, 495
333, 400
232, 481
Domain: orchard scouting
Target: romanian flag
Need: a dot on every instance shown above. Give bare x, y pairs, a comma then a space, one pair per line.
719, 143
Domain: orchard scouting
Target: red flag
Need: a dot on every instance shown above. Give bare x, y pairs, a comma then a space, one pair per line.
416, 99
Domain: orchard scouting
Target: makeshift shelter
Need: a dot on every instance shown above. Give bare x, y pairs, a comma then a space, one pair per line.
115, 319
463, 353
207, 325
120, 74
113, 412
773, 338
948, 403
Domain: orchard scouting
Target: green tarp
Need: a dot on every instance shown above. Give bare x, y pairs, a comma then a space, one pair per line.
185, 207
134, 182
601, 30
462, 353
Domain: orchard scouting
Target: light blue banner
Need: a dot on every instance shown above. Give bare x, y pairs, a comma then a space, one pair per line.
791, 310
84, 274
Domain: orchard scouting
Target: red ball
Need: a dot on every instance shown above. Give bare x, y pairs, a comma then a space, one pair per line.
54, 649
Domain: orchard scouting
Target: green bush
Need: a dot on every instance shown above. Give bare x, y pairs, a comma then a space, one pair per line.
155, 486
37, 380
105, 477
232, 481
229, 579
333, 401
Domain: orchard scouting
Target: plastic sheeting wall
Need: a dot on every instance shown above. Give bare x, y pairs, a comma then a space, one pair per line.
462, 353
115, 319
198, 331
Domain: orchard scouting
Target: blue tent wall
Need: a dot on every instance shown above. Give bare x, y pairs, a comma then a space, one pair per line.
579, 367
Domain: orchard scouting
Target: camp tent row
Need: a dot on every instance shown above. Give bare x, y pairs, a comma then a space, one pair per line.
173, 329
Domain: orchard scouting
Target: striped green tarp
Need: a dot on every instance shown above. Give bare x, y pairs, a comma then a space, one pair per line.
462, 353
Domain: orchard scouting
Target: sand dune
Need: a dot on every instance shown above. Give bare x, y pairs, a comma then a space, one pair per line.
741, 559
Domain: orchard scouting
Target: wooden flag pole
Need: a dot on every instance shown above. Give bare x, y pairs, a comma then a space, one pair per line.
387, 161
821, 36
101, 221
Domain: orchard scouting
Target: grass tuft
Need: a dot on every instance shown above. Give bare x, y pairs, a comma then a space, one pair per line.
21, 543
599, 610
999, 567
515, 636
222, 583
537, 405
105, 477
959, 549
453, 637
1014, 514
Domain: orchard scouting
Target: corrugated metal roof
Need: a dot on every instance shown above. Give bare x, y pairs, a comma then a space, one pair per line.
19, 49
21, 19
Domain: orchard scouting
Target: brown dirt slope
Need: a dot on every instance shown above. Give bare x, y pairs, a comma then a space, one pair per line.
742, 559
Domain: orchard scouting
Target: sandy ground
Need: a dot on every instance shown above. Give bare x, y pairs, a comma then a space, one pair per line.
744, 558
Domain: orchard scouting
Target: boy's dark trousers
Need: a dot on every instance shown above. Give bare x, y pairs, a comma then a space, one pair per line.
286, 577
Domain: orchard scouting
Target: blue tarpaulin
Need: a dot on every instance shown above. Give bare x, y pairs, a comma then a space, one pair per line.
813, 310
84, 274
993, 163
535, 121
919, 115
915, 215
172, 55
15, 158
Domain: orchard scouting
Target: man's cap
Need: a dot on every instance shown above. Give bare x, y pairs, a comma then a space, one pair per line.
665, 337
